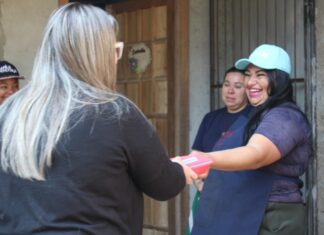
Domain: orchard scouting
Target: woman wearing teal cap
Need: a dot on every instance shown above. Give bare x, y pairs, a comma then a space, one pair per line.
254, 187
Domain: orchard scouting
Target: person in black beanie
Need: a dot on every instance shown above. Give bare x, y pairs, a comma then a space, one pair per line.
9, 80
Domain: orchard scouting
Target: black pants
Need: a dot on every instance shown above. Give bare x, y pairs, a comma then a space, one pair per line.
284, 219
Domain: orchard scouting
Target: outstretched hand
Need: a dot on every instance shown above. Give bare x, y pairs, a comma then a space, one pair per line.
189, 174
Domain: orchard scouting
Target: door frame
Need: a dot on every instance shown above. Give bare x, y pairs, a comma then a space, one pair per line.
178, 20
310, 76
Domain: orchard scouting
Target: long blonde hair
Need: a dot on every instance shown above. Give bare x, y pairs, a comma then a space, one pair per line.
75, 66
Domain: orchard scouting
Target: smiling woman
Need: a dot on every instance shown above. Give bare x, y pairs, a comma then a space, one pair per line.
260, 163
257, 85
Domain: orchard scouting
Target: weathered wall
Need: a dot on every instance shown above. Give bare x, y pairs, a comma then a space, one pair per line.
21, 27
319, 111
199, 62
199, 66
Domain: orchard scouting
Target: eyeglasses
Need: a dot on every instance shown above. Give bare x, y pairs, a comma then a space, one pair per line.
119, 49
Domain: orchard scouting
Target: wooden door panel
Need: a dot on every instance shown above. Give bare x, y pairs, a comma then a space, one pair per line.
148, 219
161, 97
121, 22
159, 62
152, 232
146, 25
160, 22
131, 29
160, 214
132, 92
149, 88
147, 97
121, 88
121, 70
161, 126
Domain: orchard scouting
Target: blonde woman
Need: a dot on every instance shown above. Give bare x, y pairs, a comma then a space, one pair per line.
76, 157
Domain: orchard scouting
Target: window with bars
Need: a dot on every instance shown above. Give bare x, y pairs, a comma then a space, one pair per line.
239, 26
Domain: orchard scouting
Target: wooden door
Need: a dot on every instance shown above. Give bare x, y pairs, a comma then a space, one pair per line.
143, 77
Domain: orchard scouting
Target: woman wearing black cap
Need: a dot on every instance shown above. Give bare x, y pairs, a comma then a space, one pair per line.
254, 187
9, 80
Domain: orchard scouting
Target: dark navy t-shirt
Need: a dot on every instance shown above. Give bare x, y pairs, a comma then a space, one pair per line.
213, 126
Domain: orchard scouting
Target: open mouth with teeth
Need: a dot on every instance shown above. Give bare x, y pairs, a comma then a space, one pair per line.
253, 92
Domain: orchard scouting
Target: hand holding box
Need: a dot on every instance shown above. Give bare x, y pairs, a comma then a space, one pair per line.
198, 164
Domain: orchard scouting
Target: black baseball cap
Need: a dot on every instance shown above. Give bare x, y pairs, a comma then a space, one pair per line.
8, 70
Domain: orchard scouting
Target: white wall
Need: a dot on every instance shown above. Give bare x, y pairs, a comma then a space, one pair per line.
199, 62
199, 70
21, 26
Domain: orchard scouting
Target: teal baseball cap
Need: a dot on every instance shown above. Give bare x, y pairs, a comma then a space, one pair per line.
267, 56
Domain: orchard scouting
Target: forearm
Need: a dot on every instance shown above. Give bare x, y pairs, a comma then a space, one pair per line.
241, 158
259, 152
167, 184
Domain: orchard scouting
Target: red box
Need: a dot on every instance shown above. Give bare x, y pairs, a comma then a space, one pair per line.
198, 164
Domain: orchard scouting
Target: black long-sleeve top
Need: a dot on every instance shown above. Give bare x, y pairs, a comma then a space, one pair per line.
101, 167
